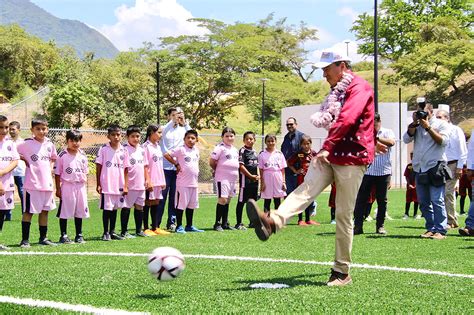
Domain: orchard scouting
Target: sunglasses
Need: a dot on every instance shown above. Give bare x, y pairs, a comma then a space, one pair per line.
289, 125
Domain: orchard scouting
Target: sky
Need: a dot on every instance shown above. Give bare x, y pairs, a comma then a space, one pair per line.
128, 23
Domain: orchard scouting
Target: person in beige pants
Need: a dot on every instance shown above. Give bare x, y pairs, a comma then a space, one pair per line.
348, 114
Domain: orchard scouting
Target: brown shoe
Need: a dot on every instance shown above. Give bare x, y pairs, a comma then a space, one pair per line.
263, 224
466, 231
338, 279
438, 236
427, 234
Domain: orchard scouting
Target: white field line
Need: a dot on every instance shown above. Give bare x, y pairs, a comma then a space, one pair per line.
64, 306
260, 259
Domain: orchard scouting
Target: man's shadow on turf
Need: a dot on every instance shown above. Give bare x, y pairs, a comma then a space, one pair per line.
290, 281
153, 296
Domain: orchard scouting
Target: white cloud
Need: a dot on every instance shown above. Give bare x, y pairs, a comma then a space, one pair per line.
148, 20
349, 12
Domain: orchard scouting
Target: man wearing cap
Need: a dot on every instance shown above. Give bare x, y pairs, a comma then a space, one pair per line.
348, 115
378, 174
456, 154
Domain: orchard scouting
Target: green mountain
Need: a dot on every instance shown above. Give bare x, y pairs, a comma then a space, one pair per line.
63, 32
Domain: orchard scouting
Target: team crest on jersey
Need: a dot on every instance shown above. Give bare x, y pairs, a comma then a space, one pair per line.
133, 161
9, 148
9, 200
228, 156
69, 170
108, 164
121, 199
122, 157
49, 149
12, 185
34, 158
154, 158
187, 159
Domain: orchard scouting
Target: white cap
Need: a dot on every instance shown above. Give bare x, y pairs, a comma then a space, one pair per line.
330, 56
420, 100
444, 107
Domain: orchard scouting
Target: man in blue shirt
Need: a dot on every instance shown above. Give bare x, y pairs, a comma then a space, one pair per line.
290, 146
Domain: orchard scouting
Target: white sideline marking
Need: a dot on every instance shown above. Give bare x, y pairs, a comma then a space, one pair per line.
238, 258
64, 306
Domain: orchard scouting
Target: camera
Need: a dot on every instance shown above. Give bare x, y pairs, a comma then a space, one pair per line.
421, 114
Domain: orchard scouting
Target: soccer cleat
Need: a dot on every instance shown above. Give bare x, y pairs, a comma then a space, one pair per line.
302, 223
312, 222
46, 242
192, 228
263, 224
172, 227
427, 234
150, 233
180, 230
338, 279
3, 247
141, 234
115, 236
240, 227
65, 240
405, 217
25, 244
358, 230
218, 228
159, 231
381, 230
127, 235
438, 236
333, 221
228, 227
418, 217
106, 237
79, 239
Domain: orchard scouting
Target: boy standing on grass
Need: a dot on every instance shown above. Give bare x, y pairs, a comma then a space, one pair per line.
71, 171
186, 160
112, 180
39, 154
8, 161
138, 179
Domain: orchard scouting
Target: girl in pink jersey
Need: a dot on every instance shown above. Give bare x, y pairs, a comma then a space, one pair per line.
157, 181
272, 164
9, 158
224, 161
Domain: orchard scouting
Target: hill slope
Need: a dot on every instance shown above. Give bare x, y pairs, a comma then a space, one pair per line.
40, 23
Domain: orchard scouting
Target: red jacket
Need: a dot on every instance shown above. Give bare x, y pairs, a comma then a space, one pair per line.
351, 138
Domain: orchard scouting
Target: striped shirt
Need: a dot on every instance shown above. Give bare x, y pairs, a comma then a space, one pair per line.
382, 164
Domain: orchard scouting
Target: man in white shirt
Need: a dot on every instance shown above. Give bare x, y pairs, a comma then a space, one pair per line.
456, 154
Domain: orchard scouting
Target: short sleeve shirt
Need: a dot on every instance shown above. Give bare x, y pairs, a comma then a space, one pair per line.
136, 170
8, 154
114, 162
154, 156
72, 168
227, 158
249, 159
271, 161
188, 159
38, 155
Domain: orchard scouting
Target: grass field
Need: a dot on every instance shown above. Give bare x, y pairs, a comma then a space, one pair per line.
222, 286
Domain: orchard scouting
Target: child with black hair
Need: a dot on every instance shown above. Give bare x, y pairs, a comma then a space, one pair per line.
71, 171
224, 161
299, 164
272, 164
410, 194
112, 165
248, 176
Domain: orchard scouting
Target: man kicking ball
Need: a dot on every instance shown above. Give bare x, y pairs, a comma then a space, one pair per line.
348, 115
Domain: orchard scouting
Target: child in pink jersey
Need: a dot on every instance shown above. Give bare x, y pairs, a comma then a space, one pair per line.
112, 164
8, 161
225, 163
39, 154
71, 171
138, 180
157, 181
186, 161
272, 164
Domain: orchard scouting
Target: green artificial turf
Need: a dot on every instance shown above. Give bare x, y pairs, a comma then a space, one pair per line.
218, 286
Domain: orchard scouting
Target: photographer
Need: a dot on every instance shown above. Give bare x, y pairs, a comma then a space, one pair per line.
430, 136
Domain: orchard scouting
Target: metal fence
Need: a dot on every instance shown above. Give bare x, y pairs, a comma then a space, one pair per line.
26, 109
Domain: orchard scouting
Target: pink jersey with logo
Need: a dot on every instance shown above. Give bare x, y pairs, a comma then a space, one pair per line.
271, 161
188, 159
155, 163
72, 168
136, 171
114, 162
8, 153
227, 158
38, 155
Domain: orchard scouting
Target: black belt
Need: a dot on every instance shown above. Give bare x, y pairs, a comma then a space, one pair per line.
452, 162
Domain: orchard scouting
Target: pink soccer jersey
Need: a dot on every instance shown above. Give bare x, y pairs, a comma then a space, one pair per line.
227, 158
8, 153
271, 161
114, 162
155, 163
38, 156
136, 171
188, 159
72, 168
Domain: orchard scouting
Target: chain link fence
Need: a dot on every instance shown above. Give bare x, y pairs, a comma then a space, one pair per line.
25, 110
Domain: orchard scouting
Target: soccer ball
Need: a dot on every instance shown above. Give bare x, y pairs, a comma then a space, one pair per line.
165, 263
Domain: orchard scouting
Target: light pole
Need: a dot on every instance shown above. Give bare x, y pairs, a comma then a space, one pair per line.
263, 110
347, 46
376, 53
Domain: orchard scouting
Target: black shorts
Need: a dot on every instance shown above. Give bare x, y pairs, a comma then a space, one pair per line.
248, 192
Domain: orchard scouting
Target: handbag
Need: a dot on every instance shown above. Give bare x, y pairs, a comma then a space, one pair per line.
439, 174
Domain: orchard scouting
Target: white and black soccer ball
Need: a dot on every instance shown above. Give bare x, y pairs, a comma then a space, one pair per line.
165, 263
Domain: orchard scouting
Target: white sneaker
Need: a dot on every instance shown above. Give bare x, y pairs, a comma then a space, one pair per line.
369, 219
333, 221
405, 217
418, 217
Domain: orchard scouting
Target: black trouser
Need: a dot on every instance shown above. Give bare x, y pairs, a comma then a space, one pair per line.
381, 186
